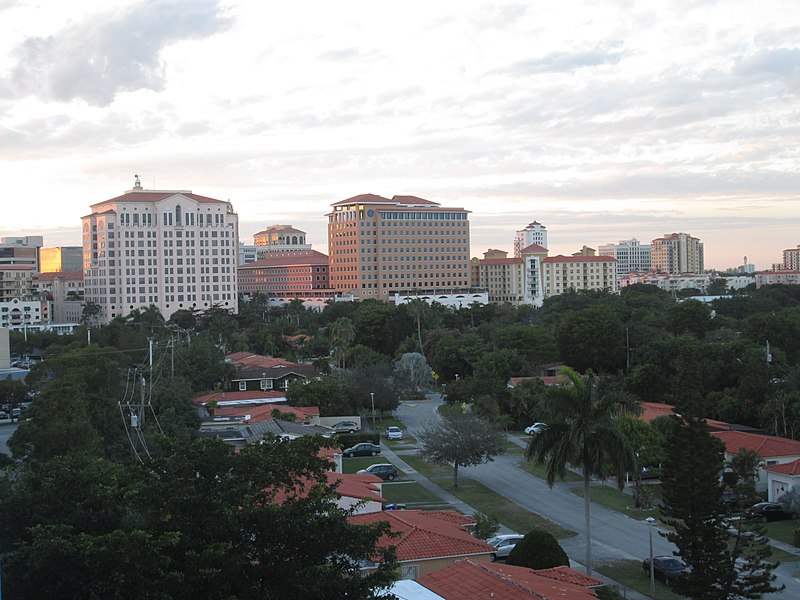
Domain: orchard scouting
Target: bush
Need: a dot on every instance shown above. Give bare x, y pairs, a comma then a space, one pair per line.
538, 550
485, 526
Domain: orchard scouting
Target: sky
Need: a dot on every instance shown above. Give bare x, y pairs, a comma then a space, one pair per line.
602, 120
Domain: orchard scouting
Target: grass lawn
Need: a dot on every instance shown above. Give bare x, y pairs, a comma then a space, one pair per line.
509, 514
783, 531
629, 573
615, 500
513, 449
412, 494
427, 468
351, 465
538, 470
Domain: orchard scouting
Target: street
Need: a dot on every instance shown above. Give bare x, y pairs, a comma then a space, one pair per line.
614, 536
7, 429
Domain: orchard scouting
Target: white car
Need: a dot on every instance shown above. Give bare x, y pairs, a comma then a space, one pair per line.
504, 544
394, 433
535, 428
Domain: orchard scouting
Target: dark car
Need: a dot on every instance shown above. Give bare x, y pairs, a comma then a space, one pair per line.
666, 568
362, 449
768, 511
385, 471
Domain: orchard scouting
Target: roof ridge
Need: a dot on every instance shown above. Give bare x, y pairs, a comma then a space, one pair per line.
507, 579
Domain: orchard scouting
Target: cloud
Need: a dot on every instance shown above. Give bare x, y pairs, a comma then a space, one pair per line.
784, 62
114, 52
565, 62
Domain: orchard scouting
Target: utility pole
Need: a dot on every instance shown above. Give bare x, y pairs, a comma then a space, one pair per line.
141, 406
172, 357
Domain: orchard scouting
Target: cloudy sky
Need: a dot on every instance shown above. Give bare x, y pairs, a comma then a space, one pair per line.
602, 120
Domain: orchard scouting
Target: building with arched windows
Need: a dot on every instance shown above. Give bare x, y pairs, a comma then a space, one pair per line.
172, 249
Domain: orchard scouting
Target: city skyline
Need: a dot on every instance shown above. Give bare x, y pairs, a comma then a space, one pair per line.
601, 122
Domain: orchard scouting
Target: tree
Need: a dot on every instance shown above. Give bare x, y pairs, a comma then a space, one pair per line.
538, 550
462, 440
485, 526
582, 431
90, 312
593, 338
341, 333
412, 374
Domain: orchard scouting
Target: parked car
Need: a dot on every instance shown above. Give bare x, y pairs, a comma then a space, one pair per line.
394, 433
362, 449
535, 428
385, 471
3, 414
345, 427
666, 568
768, 511
504, 544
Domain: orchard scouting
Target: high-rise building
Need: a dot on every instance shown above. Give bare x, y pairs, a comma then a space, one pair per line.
380, 247
287, 274
21, 251
676, 253
791, 259
533, 269
280, 237
502, 277
61, 259
172, 249
534, 233
632, 257
565, 273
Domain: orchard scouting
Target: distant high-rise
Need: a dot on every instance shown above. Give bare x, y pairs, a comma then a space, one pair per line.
169, 248
379, 247
21, 251
534, 233
61, 259
632, 257
277, 238
791, 259
676, 253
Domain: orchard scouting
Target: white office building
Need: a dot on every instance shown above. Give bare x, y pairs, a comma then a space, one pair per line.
172, 249
632, 257
534, 234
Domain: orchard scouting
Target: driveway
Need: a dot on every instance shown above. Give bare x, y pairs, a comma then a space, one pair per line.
614, 536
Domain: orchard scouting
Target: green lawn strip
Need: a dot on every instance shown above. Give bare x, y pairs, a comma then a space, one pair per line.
351, 465
629, 573
407, 441
410, 493
513, 449
615, 500
427, 468
388, 421
539, 471
783, 531
504, 510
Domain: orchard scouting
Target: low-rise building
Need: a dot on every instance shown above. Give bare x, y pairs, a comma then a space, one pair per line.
576, 273
502, 277
770, 449
669, 283
784, 277
21, 314
16, 282
287, 275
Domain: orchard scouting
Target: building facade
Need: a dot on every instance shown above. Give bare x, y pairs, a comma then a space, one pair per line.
533, 274
287, 274
168, 248
18, 314
61, 259
534, 233
279, 238
676, 253
21, 251
575, 273
669, 283
632, 257
791, 259
502, 277
16, 282
380, 247
785, 277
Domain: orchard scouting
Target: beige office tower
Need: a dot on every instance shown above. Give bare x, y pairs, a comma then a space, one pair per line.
676, 253
168, 248
379, 247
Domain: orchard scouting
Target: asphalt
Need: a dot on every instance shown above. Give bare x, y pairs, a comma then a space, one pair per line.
614, 536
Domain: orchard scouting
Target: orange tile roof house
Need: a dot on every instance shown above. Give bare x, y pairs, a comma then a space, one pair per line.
470, 579
361, 493
428, 541
771, 449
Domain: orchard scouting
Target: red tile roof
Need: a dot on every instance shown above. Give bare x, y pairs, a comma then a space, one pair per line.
412, 200
652, 410
66, 275
578, 259
766, 446
157, 196
279, 229
790, 468
533, 248
359, 487
263, 412
427, 535
470, 579
266, 362
312, 258
571, 576
363, 199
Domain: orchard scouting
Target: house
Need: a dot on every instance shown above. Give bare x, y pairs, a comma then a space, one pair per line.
224, 399
253, 372
428, 541
652, 410
360, 493
771, 449
781, 478
472, 579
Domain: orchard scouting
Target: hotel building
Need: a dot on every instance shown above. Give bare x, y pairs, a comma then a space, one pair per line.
169, 248
380, 247
565, 273
676, 253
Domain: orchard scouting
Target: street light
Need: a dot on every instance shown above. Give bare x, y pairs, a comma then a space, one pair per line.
456, 376
372, 398
650, 521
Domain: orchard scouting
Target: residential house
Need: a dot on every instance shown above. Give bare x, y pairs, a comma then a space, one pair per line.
359, 493
771, 449
472, 579
428, 541
254, 372
781, 478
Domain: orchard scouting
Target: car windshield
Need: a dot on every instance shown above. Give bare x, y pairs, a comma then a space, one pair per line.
673, 564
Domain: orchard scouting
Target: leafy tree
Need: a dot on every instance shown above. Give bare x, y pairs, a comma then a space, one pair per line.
717, 287
538, 550
90, 312
593, 338
582, 431
485, 526
412, 374
341, 333
690, 317
332, 394
373, 383
462, 440
12, 392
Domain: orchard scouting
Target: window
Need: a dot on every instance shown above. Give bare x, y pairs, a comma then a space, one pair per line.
408, 572
242, 386
266, 384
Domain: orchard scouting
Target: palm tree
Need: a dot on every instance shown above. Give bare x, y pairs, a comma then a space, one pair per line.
582, 432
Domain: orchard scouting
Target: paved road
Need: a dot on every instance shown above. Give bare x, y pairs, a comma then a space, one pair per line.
7, 429
614, 536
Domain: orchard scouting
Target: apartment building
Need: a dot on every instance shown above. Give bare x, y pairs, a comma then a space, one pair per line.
533, 291
676, 253
502, 277
632, 257
380, 247
61, 259
534, 234
565, 273
19, 314
791, 259
785, 277
21, 251
16, 282
172, 249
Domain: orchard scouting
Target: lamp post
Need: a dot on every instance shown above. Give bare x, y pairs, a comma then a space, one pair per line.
650, 521
372, 399
456, 376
